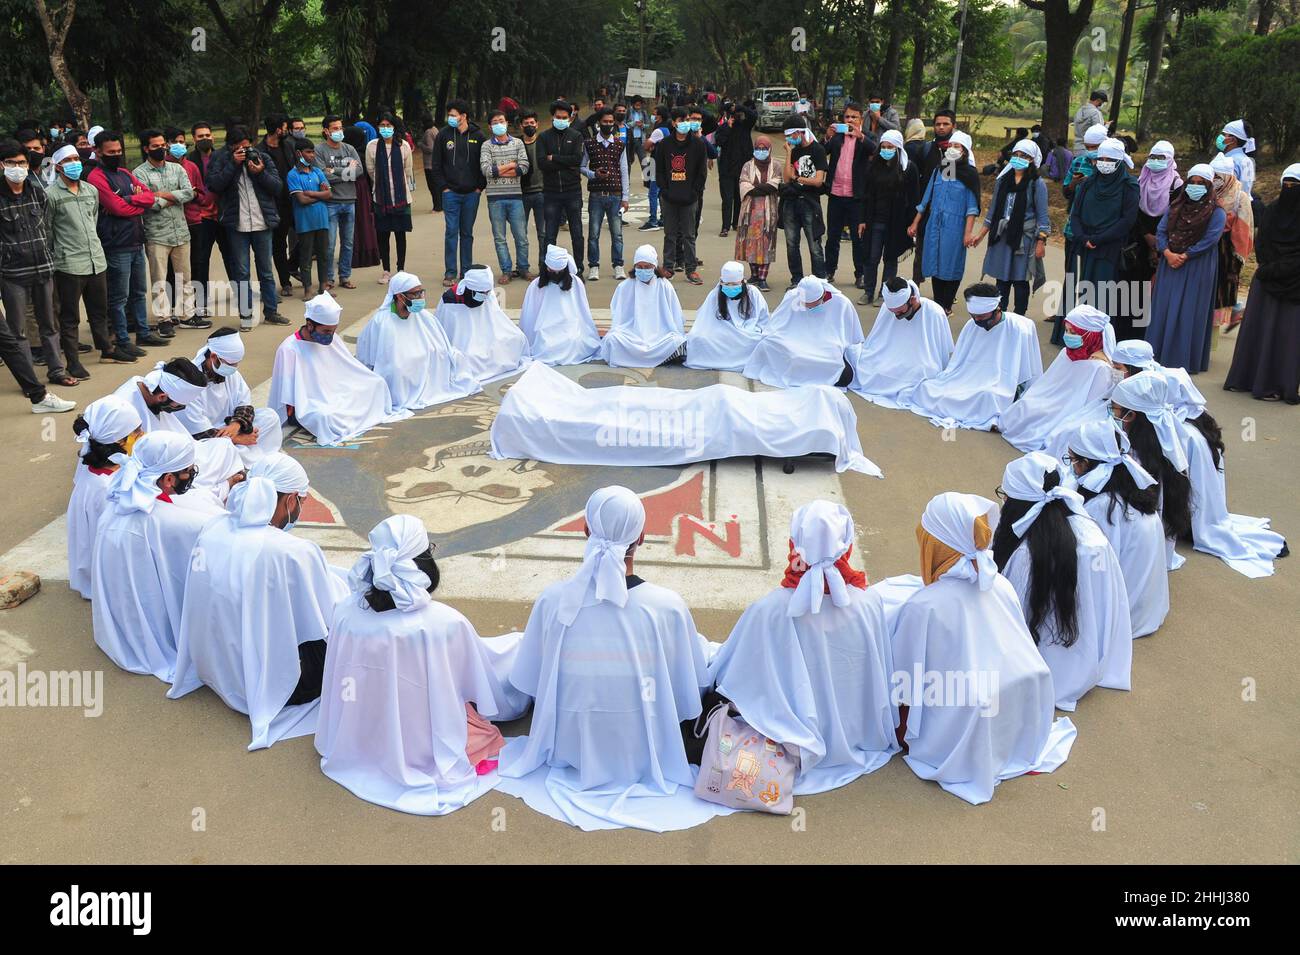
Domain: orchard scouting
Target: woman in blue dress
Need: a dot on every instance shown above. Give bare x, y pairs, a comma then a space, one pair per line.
1018, 223
1182, 304
949, 207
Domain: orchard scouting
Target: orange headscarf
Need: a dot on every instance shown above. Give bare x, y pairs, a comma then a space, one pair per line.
795, 568
937, 558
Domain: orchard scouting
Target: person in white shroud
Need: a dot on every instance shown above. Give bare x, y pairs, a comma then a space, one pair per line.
142, 553
615, 665
909, 342
258, 604
809, 664
477, 327
996, 356
1068, 578
409, 684
729, 323
406, 346
318, 383
646, 323
806, 338
1074, 388
556, 317
977, 701
224, 408
106, 432
1124, 501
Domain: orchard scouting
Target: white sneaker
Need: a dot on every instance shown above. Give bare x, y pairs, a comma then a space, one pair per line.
383, 279
52, 404
620, 274
593, 274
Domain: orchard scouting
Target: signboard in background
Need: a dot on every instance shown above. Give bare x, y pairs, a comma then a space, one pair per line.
835, 98
640, 83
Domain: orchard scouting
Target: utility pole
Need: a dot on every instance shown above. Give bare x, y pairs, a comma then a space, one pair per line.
956, 63
640, 12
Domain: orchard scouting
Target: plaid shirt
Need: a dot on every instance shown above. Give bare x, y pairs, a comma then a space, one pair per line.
24, 243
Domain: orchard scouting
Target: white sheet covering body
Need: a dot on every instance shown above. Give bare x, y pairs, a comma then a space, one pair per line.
251, 596
803, 346
1139, 544
86, 506
646, 324
547, 417
819, 682
725, 344
333, 395
492, 344
952, 640
392, 724
605, 749
558, 324
217, 401
982, 375
900, 353
1102, 654
1066, 395
415, 359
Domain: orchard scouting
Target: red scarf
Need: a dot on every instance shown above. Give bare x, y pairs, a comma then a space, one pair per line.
795, 569
1091, 344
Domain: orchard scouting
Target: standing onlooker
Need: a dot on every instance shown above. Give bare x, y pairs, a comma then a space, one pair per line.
80, 269
681, 162
207, 231
1087, 116
881, 117
605, 166
310, 191
26, 271
167, 235
503, 160
459, 179
803, 176
559, 153
177, 149
1017, 225
342, 165
890, 194
735, 142
1102, 216
389, 165
246, 184
760, 183
848, 155
945, 216
123, 201
278, 144
639, 124
428, 134
702, 130
530, 183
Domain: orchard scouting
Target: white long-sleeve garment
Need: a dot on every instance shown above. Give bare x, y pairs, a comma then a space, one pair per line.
1067, 395
806, 346
1139, 544
899, 353
725, 344
415, 359
492, 344
982, 375
558, 324
1102, 654
86, 506
646, 324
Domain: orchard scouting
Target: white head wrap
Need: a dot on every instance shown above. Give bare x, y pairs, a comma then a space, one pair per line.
92, 133
1094, 320
1135, 353
1147, 392
253, 501
646, 253
64, 152
732, 272
1291, 172
822, 533
1022, 480
229, 348
323, 310
1162, 148
558, 257
801, 131
1238, 128
1102, 442
387, 565
476, 280
963, 139
950, 517
109, 420
134, 486
899, 299
400, 282
1024, 146
811, 290
177, 389
1114, 149
1202, 169
1222, 164
983, 304
895, 139
1094, 135
615, 520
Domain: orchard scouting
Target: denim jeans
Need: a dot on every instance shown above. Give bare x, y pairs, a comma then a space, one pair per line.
653, 190
535, 206
803, 214
599, 208
509, 210
875, 239
343, 222
259, 245
459, 212
128, 290
565, 206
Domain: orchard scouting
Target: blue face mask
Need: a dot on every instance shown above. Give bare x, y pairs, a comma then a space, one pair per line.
560, 124
684, 127
177, 150
1019, 162
303, 160
321, 338
874, 107
1072, 340
1220, 142
644, 275
1157, 164
55, 134
225, 371
415, 305
762, 154
732, 291
72, 170
498, 129
337, 136
453, 121
1196, 192
386, 132
888, 154
794, 141
695, 125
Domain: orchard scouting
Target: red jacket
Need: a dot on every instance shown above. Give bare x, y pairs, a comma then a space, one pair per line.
195, 208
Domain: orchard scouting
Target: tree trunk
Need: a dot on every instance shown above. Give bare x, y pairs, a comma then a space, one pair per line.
114, 99
916, 84
1265, 18
1156, 56
56, 35
1062, 29
893, 53
1121, 61
443, 94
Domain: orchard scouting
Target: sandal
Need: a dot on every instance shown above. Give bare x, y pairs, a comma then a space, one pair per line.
67, 381
347, 283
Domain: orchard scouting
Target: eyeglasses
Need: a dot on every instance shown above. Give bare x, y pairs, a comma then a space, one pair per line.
1000, 494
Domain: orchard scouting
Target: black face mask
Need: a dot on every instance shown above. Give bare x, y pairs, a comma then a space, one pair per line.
83, 153
987, 323
183, 484
908, 315
158, 154
204, 145
607, 129
111, 162
530, 130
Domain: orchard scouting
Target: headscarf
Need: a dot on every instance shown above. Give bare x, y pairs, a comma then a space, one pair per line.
1237, 128
177, 389
812, 290
324, 309
253, 500
965, 172
1013, 231
1114, 149
899, 299
134, 486
108, 421
1277, 244
1024, 146
615, 520
1147, 393
821, 540
1022, 480
915, 130
1135, 353
1101, 198
955, 533
1156, 186
963, 139
1236, 205
1188, 219
558, 257
400, 282
1094, 135
229, 348
388, 566
646, 253
1102, 442
477, 279
895, 139
761, 142
1098, 334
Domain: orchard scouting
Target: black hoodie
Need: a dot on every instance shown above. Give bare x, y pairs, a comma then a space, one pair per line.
455, 159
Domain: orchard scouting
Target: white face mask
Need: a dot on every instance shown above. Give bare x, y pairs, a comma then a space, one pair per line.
16, 173
952, 153
1107, 166
1116, 375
